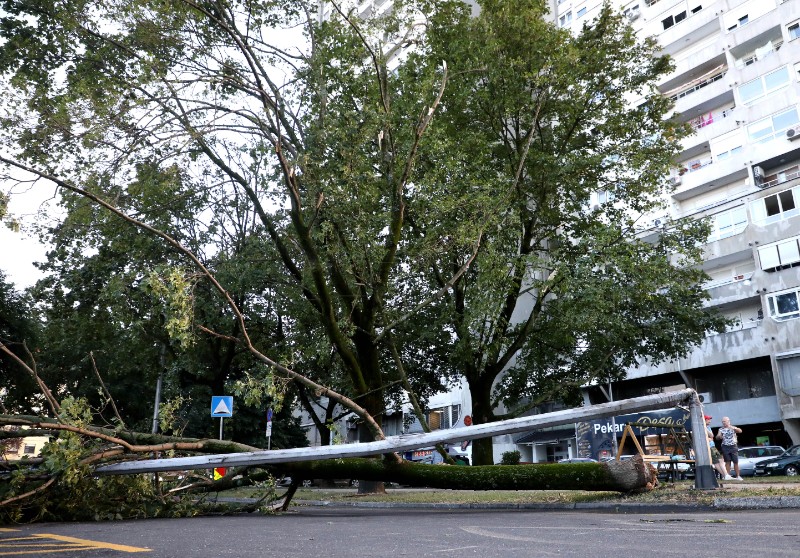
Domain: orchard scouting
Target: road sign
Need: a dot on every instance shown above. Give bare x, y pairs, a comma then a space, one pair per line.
222, 406
219, 472
269, 415
269, 429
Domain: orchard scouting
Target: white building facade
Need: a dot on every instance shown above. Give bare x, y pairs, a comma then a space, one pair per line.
736, 82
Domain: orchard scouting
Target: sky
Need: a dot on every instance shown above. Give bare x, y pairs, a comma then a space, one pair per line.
18, 250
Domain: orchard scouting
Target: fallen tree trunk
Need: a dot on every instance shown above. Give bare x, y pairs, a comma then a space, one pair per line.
633, 475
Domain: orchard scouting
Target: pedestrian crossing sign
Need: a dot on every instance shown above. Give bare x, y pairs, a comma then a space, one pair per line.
222, 406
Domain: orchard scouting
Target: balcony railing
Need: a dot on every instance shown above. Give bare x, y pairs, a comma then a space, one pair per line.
697, 85
728, 280
740, 325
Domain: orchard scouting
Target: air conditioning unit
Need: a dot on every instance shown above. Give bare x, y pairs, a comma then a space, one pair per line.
705, 397
758, 176
633, 14
793, 133
676, 180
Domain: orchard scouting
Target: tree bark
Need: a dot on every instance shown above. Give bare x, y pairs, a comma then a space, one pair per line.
632, 475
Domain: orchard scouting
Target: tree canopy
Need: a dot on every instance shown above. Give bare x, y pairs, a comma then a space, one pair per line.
395, 202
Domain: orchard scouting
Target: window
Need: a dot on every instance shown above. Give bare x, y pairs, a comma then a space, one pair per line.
740, 22
581, 13
29, 450
764, 85
790, 374
776, 207
729, 153
778, 255
728, 223
794, 31
672, 20
565, 19
769, 128
784, 306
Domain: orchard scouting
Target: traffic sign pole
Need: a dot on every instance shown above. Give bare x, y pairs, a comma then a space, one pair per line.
220, 427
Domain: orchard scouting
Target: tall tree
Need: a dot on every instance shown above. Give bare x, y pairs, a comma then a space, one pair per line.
19, 330
535, 120
407, 204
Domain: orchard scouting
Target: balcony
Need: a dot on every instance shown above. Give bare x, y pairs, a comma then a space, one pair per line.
731, 346
704, 95
708, 177
694, 28
708, 126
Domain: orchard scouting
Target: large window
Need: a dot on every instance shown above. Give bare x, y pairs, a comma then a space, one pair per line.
728, 223
779, 255
790, 374
764, 85
767, 129
784, 305
776, 207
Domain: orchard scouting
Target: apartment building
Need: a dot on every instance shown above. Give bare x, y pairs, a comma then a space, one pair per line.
735, 81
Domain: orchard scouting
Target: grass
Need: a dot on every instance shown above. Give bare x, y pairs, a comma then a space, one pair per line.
681, 492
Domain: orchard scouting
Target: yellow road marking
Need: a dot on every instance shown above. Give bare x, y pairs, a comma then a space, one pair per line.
38, 544
93, 544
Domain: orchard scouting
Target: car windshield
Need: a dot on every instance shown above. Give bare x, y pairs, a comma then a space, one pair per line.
793, 451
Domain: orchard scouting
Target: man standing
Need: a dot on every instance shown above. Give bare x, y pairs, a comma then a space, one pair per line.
730, 445
716, 459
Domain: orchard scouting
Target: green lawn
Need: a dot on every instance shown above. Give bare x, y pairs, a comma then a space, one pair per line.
679, 492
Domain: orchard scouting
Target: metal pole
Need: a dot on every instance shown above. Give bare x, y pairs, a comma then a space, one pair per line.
157, 404
704, 477
220, 427
614, 448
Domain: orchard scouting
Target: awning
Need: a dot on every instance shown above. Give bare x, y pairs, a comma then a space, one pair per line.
546, 436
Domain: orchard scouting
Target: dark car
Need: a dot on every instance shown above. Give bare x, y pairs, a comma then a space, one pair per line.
750, 456
786, 464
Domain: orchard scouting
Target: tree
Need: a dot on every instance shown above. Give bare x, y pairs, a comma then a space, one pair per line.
19, 330
406, 203
560, 294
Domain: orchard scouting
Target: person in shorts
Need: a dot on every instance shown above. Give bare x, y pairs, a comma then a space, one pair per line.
730, 446
716, 458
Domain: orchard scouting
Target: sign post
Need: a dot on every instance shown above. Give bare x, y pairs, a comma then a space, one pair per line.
221, 406
269, 428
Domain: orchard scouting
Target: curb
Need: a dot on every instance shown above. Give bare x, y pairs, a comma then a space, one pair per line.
726, 504
611, 507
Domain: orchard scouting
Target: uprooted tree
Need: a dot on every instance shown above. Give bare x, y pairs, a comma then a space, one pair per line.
408, 192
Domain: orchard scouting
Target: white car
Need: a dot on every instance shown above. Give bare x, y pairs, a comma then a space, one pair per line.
750, 455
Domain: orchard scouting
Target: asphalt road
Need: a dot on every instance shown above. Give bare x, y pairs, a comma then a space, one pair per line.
391, 532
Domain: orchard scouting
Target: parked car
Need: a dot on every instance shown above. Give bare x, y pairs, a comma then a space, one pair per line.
749, 456
578, 460
786, 464
286, 481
